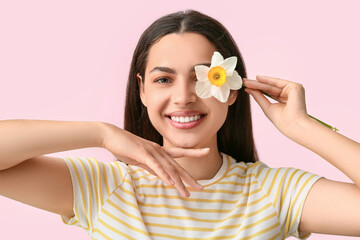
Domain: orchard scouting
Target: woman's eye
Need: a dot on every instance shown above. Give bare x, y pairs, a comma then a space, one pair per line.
162, 80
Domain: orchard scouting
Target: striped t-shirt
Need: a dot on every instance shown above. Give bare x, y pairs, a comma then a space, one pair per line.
242, 201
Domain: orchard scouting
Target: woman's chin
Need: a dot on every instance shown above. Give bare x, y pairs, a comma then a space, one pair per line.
183, 144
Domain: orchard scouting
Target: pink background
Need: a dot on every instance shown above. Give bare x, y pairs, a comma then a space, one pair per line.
69, 60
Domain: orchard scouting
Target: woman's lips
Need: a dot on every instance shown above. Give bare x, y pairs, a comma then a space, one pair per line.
186, 125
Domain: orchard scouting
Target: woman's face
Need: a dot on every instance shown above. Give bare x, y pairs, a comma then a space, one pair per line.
169, 92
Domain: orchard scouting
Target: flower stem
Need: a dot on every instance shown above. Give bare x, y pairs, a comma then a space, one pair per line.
325, 124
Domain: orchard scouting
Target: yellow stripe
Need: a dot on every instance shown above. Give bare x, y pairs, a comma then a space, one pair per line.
95, 186
207, 220
88, 192
140, 203
296, 214
98, 180
240, 176
126, 190
123, 223
77, 215
239, 166
187, 199
274, 214
102, 234
138, 170
306, 234
105, 178
285, 192
273, 182
115, 230
120, 172
275, 236
259, 172
253, 165
203, 191
81, 191
145, 176
124, 212
125, 201
266, 175
114, 175
262, 231
220, 237
298, 211
199, 229
194, 199
287, 225
212, 229
234, 183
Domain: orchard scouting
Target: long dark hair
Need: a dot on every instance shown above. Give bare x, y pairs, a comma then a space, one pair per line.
235, 137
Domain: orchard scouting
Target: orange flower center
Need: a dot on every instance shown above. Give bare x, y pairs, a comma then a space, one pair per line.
217, 76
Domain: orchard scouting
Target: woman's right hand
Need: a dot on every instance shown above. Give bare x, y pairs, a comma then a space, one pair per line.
149, 155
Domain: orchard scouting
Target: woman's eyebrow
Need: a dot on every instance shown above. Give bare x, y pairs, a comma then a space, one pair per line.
172, 71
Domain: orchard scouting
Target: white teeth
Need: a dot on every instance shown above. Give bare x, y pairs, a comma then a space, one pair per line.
185, 119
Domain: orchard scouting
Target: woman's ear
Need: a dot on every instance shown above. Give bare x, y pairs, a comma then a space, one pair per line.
141, 88
232, 96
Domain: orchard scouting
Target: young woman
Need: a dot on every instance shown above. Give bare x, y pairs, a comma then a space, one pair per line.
187, 166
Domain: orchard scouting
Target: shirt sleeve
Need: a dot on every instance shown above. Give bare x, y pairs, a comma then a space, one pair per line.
93, 182
287, 189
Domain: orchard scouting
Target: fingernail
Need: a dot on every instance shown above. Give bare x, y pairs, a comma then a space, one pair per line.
206, 149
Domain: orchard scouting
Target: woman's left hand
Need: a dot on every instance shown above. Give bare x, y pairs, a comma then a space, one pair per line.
289, 110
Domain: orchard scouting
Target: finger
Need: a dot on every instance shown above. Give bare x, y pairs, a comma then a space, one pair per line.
263, 102
158, 168
272, 90
277, 82
186, 152
184, 174
173, 173
147, 169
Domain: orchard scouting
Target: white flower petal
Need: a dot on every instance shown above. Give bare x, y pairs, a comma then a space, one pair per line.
201, 72
221, 93
216, 59
235, 81
229, 65
203, 89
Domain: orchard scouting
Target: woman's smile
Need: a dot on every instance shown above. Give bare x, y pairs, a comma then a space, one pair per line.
186, 122
185, 119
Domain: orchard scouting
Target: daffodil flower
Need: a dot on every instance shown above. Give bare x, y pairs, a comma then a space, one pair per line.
218, 79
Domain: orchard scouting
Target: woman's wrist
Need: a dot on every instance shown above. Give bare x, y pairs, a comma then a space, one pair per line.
107, 130
303, 131
297, 128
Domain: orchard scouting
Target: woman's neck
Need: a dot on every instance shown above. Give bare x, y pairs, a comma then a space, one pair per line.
203, 168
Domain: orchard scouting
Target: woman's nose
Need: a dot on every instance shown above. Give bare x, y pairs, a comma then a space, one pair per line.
184, 93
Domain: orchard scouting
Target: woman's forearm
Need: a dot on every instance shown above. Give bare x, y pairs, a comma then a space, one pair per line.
337, 149
21, 139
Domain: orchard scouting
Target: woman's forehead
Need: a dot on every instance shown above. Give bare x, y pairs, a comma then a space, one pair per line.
180, 50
